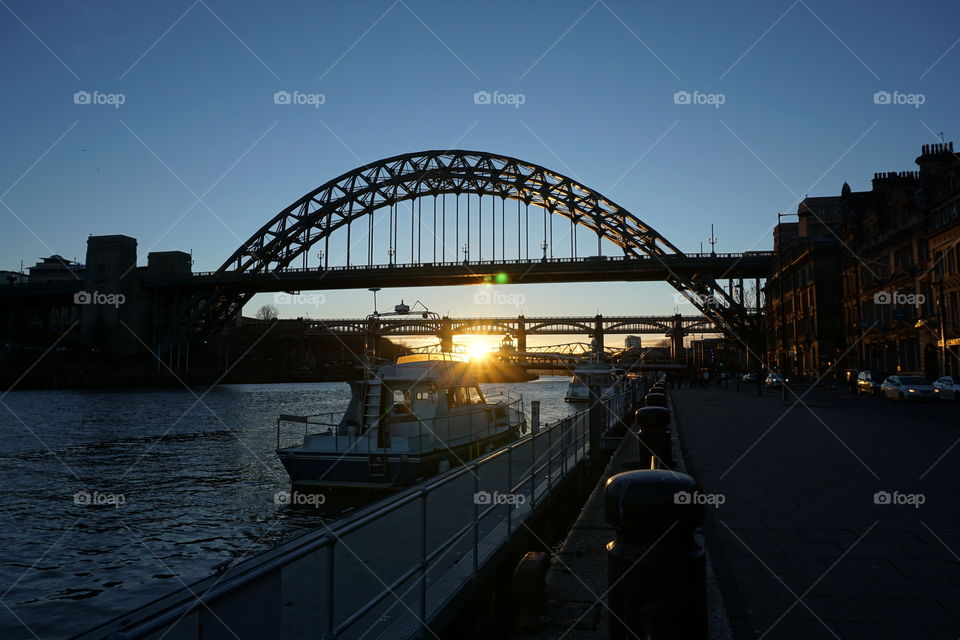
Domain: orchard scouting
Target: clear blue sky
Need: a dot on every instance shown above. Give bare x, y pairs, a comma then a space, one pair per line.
598, 81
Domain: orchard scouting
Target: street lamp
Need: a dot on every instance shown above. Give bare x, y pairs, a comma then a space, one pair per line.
466, 251
391, 252
544, 245
374, 291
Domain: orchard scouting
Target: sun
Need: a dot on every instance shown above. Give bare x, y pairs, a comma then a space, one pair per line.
477, 351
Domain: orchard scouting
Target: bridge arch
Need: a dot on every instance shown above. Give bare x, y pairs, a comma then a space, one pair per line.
482, 327
336, 204
364, 190
561, 327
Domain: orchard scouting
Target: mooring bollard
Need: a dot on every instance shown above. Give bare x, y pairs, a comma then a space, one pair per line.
529, 590
653, 431
655, 399
655, 566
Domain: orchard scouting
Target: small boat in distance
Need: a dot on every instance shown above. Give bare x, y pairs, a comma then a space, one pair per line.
405, 422
587, 375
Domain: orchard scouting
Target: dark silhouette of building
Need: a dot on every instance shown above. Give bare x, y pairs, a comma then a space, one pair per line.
869, 279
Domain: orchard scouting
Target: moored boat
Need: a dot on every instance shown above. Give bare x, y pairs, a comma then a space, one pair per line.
591, 375
405, 421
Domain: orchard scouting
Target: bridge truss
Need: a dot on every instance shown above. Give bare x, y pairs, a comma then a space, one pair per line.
356, 204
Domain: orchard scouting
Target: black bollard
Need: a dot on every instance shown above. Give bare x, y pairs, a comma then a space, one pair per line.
653, 424
655, 399
655, 566
528, 588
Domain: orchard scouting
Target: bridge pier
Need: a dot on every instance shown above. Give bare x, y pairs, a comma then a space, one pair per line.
598, 334
677, 334
446, 335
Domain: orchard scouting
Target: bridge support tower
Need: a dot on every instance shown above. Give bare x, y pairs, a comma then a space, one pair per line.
677, 334
598, 334
446, 335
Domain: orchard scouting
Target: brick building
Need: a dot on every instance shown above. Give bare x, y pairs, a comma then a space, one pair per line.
865, 278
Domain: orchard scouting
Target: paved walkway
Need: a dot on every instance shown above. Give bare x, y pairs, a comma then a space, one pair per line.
802, 546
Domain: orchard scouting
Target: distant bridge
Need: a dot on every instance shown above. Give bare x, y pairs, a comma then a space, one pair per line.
519, 327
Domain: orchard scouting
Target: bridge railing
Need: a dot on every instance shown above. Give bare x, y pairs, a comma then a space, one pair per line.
385, 570
517, 261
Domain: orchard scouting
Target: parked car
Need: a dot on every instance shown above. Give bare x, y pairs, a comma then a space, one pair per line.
774, 380
868, 382
947, 388
748, 377
906, 387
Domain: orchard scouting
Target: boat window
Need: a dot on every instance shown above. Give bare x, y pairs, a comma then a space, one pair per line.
474, 394
401, 401
426, 396
453, 398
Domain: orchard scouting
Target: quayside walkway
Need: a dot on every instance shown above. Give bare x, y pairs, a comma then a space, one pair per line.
840, 513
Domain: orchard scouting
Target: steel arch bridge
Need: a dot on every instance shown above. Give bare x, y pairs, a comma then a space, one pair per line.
355, 197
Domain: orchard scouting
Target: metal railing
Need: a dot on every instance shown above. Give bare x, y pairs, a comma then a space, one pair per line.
438, 428
420, 546
307, 422
521, 261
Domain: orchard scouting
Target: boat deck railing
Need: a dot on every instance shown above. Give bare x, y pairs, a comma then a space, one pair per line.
320, 421
431, 429
386, 570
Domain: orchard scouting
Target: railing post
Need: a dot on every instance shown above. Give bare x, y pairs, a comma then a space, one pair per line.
331, 552
563, 446
533, 470
476, 521
549, 460
595, 417
509, 489
423, 564
535, 417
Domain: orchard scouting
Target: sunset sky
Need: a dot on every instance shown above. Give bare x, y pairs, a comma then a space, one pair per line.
687, 114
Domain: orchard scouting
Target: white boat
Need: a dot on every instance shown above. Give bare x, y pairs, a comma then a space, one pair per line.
405, 422
585, 376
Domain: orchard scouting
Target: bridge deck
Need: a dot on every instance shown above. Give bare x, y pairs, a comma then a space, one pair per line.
591, 269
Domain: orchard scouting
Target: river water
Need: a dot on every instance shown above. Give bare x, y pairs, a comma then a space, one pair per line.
113, 498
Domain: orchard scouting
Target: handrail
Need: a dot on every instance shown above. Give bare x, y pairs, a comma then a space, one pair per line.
521, 261
355, 439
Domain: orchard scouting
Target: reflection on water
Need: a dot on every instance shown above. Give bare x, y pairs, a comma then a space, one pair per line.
113, 498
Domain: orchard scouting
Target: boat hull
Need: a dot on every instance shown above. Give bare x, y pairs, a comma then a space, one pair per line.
327, 469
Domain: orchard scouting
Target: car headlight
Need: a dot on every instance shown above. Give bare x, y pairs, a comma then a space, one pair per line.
911, 390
